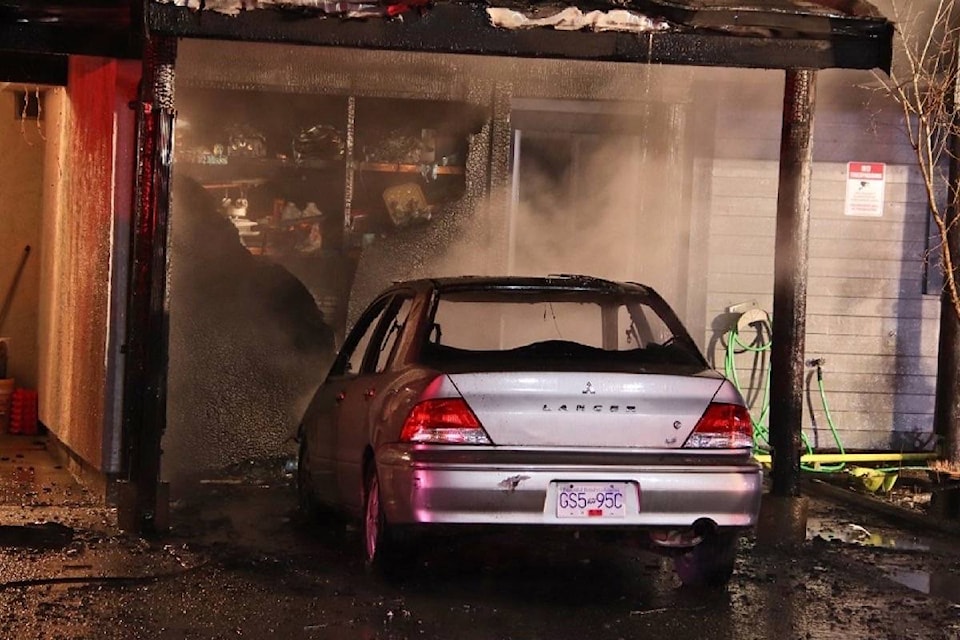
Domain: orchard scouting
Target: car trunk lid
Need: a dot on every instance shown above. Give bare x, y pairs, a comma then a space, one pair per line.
566, 409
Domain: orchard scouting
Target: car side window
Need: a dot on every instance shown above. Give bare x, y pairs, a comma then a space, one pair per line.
389, 343
351, 359
640, 327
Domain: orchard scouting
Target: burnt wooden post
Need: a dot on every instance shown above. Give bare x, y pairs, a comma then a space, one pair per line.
145, 392
947, 416
947, 410
783, 512
790, 286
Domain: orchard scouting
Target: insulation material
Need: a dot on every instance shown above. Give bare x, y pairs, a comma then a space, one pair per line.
567, 19
342, 8
248, 345
573, 19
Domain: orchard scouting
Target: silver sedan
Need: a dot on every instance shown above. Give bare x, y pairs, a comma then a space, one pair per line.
567, 402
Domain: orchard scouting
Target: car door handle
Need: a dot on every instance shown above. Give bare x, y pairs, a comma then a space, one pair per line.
369, 393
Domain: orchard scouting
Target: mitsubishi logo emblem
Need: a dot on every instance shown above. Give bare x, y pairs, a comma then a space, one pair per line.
589, 389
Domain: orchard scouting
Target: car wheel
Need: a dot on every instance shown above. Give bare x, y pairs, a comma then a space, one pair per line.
381, 550
306, 501
710, 563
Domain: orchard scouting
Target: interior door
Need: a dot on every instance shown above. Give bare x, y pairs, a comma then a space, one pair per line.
598, 188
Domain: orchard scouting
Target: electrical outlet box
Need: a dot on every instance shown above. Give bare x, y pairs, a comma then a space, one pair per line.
743, 307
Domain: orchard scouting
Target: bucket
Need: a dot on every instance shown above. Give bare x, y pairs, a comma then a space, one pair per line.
23, 412
6, 397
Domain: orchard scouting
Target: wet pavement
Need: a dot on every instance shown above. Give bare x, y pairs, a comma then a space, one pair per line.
238, 562
31, 476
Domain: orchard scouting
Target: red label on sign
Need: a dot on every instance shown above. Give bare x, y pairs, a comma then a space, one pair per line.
865, 171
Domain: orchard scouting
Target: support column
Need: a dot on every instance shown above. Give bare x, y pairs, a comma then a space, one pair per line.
783, 517
947, 414
946, 418
143, 500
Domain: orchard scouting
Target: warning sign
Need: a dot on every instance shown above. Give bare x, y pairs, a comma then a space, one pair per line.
865, 186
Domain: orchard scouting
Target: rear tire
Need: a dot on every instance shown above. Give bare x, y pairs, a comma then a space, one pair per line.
381, 552
710, 563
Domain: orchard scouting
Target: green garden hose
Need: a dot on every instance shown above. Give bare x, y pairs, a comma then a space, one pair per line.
761, 433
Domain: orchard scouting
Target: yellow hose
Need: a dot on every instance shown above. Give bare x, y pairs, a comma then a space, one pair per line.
828, 458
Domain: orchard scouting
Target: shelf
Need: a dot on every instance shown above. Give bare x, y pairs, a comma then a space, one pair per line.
254, 172
229, 184
251, 171
392, 167
290, 223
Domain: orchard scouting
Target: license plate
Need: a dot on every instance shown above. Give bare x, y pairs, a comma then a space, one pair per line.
592, 500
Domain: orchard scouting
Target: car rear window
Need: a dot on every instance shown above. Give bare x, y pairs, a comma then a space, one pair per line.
557, 324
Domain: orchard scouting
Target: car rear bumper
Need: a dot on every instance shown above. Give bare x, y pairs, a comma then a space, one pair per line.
492, 486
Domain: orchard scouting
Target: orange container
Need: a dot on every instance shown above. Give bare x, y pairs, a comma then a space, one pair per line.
7, 386
23, 412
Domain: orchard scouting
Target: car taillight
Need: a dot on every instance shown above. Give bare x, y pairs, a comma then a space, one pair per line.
443, 421
722, 426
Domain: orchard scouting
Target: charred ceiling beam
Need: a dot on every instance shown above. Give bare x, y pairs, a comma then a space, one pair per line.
812, 42
33, 68
93, 27
811, 18
64, 40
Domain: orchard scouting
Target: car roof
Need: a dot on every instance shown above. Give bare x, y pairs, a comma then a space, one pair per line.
569, 282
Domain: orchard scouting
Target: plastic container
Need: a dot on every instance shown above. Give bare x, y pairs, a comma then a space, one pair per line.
7, 386
23, 412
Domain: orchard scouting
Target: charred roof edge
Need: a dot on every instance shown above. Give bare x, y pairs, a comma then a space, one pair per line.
463, 28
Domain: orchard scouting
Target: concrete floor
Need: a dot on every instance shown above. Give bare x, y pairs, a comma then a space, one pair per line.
239, 561
32, 476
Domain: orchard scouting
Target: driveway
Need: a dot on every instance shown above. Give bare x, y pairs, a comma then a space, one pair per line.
239, 563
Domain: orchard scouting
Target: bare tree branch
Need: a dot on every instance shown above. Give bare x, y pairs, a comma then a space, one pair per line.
924, 86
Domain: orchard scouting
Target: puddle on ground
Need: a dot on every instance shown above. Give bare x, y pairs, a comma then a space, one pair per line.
938, 584
852, 533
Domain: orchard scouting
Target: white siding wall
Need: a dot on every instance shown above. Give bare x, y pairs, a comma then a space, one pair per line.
866, 313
